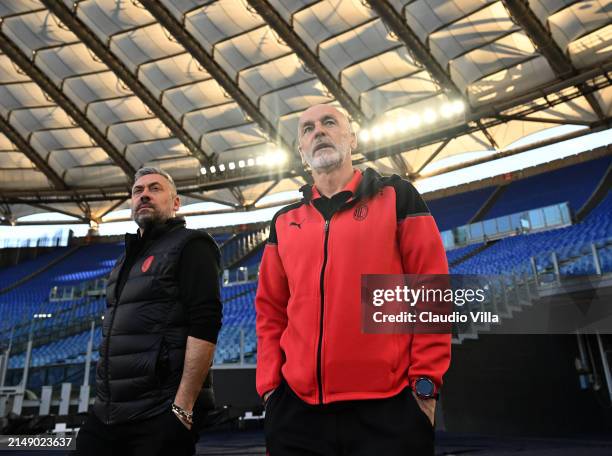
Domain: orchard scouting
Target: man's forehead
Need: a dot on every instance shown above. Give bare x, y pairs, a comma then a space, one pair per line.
149, 179
318, 112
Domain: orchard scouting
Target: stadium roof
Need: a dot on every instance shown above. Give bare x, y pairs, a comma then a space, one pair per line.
211, 90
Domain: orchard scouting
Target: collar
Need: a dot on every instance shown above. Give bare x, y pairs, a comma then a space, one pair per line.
156, 231
311, 192
363, 184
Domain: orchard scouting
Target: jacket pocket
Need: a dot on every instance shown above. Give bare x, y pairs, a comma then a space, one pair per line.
162, 362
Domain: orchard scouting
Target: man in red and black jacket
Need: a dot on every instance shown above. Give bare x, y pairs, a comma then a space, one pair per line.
329, 388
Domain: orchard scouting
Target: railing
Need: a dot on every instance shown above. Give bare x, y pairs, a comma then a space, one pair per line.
59, 238
555, 216
241, 274
93, 288
549, 268
237, 247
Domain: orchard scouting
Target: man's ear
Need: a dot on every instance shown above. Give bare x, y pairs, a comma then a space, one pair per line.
176, 204
353, 141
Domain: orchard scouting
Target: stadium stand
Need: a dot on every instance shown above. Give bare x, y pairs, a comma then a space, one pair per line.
573, 184
237, 340
9, 276
572, 246
457, 210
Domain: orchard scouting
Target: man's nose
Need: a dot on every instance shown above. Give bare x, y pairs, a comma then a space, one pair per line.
319, 131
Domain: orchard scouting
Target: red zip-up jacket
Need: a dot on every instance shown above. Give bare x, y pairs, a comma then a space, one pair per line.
308, 300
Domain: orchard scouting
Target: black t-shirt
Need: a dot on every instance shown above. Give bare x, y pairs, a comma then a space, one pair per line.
327, 206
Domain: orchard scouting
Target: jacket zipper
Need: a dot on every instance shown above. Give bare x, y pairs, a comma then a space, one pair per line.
322, 290
110, 326
106, 357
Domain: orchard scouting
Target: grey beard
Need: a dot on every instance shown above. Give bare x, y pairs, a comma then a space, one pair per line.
327, 163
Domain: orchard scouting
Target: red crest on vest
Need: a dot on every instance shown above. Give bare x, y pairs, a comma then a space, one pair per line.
146, 264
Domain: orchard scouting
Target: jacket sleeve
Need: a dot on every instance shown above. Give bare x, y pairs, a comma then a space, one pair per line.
422, 252
271, 320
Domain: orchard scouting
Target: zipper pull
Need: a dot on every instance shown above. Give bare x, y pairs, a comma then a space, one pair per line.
326, 226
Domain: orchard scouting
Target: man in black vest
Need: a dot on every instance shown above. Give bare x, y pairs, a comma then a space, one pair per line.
160, 328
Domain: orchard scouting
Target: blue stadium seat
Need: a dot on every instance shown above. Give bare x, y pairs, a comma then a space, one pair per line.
572, 245
573, 184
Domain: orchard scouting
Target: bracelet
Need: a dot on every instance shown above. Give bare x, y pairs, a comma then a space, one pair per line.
187, 416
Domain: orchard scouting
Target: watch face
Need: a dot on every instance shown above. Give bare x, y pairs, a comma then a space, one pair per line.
424, 387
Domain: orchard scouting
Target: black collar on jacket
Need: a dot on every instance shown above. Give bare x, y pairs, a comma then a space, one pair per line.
371, 182
153, 232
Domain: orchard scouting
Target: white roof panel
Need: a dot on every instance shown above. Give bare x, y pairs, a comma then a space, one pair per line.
87, 89
123, 134
65, 61
195, 96
95, 176
427, 16
33, 31
249, 49
378, 70
503, 53
220, 20
11, 7
578, 20
592, 48
271, 76
329, 18
106, 113
217, 118
509, 82
9, 72
144, 44
19, 96
109, 17
163, 74
482, 27
242, 136
361, 43
28, 120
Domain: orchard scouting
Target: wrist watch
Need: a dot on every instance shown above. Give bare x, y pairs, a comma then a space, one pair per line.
425, 388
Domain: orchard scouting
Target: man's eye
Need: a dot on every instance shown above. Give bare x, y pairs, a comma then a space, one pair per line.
329, 122
306, 129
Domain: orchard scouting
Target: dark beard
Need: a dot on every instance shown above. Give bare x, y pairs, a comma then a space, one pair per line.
146, 223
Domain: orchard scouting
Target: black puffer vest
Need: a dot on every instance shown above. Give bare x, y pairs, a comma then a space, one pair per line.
144, 334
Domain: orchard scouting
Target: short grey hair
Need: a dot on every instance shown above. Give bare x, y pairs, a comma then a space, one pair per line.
146, 170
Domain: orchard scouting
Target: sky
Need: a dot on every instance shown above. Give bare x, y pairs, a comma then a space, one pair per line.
19, 235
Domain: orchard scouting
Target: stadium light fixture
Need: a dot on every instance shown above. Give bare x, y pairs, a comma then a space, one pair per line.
241, 164
429, 116
377, 133
414, 121
231, 165
281, 156
458, 106
447, 110
250, 162
389, 129
402, 124
221, 167
364, 135
203, 170
274, 157
213, 170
